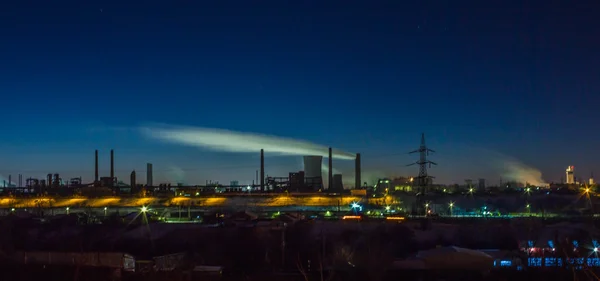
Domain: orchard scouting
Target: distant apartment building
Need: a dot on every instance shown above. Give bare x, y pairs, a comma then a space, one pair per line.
149, 174
481, 184
570, 175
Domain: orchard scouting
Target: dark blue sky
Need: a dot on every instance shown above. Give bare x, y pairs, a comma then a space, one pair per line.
520, 78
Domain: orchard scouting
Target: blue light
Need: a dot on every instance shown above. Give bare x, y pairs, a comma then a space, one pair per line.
356, 207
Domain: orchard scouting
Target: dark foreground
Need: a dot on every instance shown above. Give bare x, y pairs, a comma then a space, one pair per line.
45, 273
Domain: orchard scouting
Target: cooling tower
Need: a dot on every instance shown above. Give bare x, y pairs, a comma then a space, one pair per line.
312, 166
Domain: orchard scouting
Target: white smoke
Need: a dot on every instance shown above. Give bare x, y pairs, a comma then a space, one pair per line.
175, 175
325, 169
230, 141
519, 172
4, 181
511, 168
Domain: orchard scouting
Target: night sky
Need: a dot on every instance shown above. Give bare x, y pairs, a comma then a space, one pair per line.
484, 80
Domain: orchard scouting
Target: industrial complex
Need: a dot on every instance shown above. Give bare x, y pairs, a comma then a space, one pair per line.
305, 190
274, 211
308, 180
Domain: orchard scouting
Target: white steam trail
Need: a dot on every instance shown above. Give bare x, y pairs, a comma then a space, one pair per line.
175, 175
230, 141
517, 171
513, 169
4, 180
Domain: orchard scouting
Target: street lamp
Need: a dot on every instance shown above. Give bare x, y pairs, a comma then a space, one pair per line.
67, 209
451, 206
144, 209
105, 209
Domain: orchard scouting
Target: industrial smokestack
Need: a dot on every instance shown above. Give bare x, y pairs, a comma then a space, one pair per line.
330, 176
262, 170
112, 165
357, 180
96, 167
9, 180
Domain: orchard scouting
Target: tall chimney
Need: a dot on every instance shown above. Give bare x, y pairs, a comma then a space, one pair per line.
96, 167
9, 180
112, 165
330, 178
357, 180
262, 170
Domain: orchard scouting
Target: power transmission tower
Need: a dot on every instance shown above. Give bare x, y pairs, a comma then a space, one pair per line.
422, 181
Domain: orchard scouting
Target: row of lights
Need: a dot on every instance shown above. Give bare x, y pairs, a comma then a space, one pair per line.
143, 209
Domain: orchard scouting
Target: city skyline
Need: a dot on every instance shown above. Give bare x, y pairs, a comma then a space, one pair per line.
488, 84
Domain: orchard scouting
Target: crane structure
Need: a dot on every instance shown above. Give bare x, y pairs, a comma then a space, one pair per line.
423, 179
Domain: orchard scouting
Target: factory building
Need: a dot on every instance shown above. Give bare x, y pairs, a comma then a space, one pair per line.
296, 181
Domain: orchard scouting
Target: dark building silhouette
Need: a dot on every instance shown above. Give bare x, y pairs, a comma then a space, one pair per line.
337, 184
132, 182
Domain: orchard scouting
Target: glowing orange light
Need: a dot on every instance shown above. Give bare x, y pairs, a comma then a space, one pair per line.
351, 217
395, 218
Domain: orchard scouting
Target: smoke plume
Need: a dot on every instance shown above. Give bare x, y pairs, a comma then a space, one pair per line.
175, 174
519, 172
512, 169
463, 161
230, 141
4, 180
